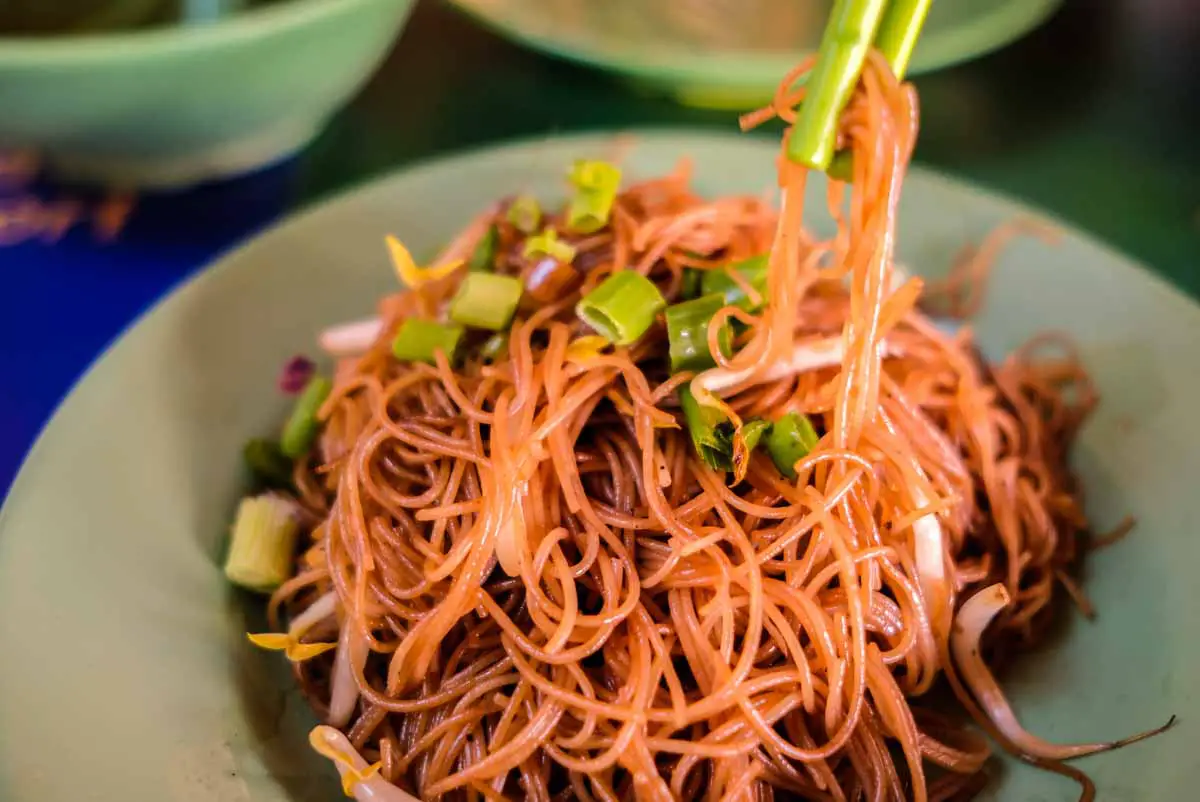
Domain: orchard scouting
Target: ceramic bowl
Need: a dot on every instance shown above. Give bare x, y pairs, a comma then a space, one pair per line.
176, 105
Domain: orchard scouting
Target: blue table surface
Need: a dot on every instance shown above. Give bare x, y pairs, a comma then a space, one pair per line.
1108, 143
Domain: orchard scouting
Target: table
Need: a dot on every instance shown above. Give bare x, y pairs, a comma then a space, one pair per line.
1092, 118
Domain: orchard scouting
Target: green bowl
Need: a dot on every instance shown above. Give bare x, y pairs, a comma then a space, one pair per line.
731, 53
177, 105
124, 671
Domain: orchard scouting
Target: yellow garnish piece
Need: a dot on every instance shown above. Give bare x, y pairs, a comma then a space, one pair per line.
582, 349
548, 244
351, 776
594, 175
296, 651
407, 271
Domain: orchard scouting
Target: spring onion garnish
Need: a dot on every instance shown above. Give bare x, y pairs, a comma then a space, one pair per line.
484, 256
744, 441
296, 651
687, 333
843, 50
752, 271
710, 430
419, 340
753, 432
690, 286
790, 440
623, 307
269, 466
302, 425
262, 543
494, 349
486, 301
596, 184
407, 271
525, 213
548, 244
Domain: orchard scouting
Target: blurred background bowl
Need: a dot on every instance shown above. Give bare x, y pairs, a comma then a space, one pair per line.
174, 104
731, 53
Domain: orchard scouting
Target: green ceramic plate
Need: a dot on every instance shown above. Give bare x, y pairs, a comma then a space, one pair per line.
731, 53
123, 671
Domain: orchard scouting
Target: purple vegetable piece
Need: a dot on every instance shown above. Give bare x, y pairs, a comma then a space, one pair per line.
295, 374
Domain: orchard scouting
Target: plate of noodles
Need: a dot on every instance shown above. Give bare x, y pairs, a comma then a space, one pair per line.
661, 480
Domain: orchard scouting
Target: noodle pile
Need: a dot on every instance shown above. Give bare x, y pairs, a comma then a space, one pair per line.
538, 590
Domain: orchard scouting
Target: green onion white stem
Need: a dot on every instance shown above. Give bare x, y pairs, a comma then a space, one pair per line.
262, 543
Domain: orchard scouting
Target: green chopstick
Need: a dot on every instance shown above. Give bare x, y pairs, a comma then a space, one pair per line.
844, 45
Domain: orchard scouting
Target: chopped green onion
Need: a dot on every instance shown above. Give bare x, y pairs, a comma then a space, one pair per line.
752, 271
744, 441
596, 184
494, 349
753, 432
269, 466
710, 431
418, 340
486, 301
263, 543
525, 213
623, 307
302, 425
690, 286
484, 256
687, 333
548, 244
844, 45
898, 32
790, 440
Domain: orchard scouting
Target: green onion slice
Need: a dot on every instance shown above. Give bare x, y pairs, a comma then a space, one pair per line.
744, 441
263, 543
269, 466
596, 184
419, 340
690, 286
548, 244
687, 333
486, 301
483, 258
524, 213
753, 432
790, 440
302, 425
710, 430
752, 271
622, 308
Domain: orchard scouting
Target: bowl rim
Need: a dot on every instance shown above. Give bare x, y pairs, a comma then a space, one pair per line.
252, 24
